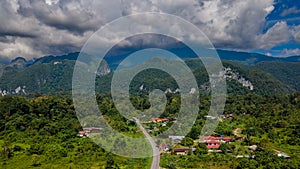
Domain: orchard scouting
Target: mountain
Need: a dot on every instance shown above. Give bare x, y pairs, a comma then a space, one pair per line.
39, 78
288, 73
241, 80
51, 58
50, 74
2, 67
18, 63
245, 73
293, 59
115, 57
253, 58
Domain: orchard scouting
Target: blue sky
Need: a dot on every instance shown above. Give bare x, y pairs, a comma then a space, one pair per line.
287, 11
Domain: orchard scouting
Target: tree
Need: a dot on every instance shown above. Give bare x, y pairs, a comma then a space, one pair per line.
171, 166
223, 148
194, 134
6, 150
201, 149
187, 142
109, 161
247, 163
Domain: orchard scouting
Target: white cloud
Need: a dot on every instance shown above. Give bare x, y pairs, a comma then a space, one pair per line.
268, 54
32, 28
289, 11
276, 35
296, 33
269, 9
51, 2
291, 52
231, 24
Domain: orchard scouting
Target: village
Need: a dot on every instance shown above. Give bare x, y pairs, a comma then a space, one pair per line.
211, 143
182, 145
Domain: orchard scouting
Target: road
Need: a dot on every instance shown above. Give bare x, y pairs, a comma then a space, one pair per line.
156, 155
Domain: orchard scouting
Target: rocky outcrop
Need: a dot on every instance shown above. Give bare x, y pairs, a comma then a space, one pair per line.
103, 69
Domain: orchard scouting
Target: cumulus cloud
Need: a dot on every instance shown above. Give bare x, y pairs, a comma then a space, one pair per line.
290, 52
296, 33
276, 35
33, 28
289, 11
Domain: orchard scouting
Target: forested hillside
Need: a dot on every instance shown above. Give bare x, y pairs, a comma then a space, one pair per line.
288, 73
42, 133
51, 75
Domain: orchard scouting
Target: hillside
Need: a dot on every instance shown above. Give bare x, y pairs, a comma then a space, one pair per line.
53, 74
288, 73
43, 132
46, 75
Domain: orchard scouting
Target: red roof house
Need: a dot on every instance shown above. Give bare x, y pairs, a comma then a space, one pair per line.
213, 142
183, 151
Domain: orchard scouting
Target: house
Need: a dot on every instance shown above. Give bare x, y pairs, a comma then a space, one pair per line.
283, 155
239, 138
213, 142
174, 120
176, 139
82, 134
253, 147
211, 117
183, 151
165, 120
225, 139
160, 120
87, 130
228, 116
92, 129
219, 139
164, 147
156, 120
245, 156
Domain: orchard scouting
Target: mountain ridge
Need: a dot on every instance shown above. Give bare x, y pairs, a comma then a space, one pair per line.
243, 57
52, 74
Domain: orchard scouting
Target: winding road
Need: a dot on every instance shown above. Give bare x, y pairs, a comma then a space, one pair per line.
156, 155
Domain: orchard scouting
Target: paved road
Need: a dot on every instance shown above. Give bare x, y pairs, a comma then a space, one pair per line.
156, 155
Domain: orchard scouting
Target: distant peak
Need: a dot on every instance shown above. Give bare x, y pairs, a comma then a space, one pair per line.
18, 59
18, 63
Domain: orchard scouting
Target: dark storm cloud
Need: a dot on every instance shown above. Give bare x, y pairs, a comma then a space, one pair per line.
16, 33
67, 15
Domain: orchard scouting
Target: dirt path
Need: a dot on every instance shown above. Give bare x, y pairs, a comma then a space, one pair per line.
237, 132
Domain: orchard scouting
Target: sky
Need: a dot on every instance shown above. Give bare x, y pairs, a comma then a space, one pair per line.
35, 28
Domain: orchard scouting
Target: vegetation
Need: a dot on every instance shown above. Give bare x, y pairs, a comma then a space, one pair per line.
42, 132
287, 73
270, 122
51, 75
39, 131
